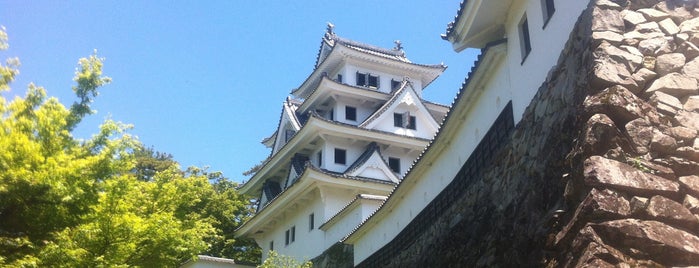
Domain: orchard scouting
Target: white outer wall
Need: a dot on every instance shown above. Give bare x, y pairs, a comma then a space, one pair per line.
423, 128
351, 219
349, 76
306, 241
485, 111
546, 47
547, 44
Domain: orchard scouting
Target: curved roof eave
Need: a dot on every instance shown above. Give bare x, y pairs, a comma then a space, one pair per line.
314, 125
310, 175
312, 80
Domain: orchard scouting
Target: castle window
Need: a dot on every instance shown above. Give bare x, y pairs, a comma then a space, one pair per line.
320, 158
340, 156
367, 80
293, 233
271, 245
311, 222
404, 120
394, 164
395, 84
286, 237
350, 113
524, 41
288, 134
339, 78
547, 8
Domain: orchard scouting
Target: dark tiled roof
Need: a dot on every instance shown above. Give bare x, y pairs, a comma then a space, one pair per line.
457, 17
308, 166
388, 104
370, 149
271, 189
331, 39
313, 114
446, 119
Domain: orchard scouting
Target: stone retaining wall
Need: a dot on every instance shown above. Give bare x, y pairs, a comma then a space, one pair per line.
632, 192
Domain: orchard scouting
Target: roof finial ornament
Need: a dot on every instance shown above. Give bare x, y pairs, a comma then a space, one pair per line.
399, 45
331, 27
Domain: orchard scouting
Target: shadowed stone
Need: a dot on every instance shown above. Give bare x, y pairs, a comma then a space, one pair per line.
641, 133
691, 104
691, 68
665, 103
638, 204
688, 152
652, 46
675, 9
684, 134
666, 210
675, 84
691, 203
668, 27
607, 20
643, 76
609, 36
663, 144
669, 63
602, 172
653, 14
688, 119
632, 17
690, 26
690, 184
620, 105
663, 243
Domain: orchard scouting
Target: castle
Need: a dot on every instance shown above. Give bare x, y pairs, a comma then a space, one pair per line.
572, 142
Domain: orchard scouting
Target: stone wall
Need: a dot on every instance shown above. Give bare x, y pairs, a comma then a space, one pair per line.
632, 191
602, 169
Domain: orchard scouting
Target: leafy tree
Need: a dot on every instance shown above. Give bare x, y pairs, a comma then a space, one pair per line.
149, 162
275, 260
105, 201
227, 209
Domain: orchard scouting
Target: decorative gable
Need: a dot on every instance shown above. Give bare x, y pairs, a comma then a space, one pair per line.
288, 125
404, 114
372, 165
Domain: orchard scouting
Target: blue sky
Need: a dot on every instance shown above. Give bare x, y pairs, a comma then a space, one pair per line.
204, 80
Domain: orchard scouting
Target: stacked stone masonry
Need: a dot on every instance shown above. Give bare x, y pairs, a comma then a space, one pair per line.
603, 168
631, 194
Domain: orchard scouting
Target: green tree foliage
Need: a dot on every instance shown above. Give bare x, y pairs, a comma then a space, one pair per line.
149, 162
105, 201
274, 260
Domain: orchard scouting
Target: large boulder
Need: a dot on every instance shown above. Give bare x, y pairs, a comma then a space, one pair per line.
620, 105
669, 63
666, 210
676, 84
602, 172
661, 242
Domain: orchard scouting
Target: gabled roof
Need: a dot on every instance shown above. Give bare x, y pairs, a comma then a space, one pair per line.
371, 159
477, 23
307, 181
326, 86
330, 39
490, 55
312, 128
288, 115
334, 50
405, 94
